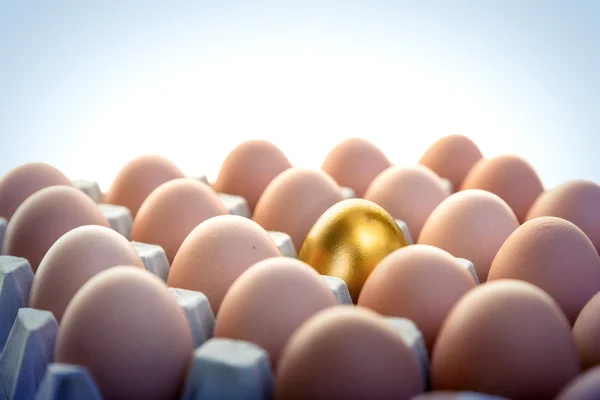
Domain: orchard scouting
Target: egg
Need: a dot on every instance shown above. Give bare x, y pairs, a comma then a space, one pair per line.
130, 333
452, 157
44, 217
420, 283
294, 200
471, 224
216, 253
355, 163
249, 168
507, 338
138, 178
21, 182
576, 201
408, 193
347, 353
269, 301
511, 178
349, 240
73, 260
586, 331
172, 211
584, 387
555, 255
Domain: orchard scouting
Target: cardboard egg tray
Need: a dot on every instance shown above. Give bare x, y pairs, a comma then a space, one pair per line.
220, 368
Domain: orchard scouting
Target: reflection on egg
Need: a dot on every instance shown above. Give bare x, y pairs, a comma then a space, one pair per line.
294, 200
355, 163
249, 168
349, 240
584, 387
586, 331
576, 201
471, 224
452, 157
347, 353
44, 217
420, 283
511, 178
128, 330
172, 211
555, 255
74, 259
507, 338
138, 178
21, 182
408, 193
269, 301
216, 253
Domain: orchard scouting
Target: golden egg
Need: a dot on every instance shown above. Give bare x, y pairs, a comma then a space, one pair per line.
349, 240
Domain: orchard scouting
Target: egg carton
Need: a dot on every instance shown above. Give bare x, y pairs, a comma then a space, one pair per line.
221, 368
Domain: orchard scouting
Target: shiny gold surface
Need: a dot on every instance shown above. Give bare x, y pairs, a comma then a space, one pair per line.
349, 240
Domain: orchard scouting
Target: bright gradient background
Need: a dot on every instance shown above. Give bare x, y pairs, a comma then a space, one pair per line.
88, 85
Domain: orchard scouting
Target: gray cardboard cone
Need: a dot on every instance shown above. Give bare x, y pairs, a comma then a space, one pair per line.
16, 277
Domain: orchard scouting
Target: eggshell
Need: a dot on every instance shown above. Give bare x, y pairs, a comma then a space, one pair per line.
511, 178
576, 201
172, 211
138, 178
21, 182
294, 200
355, 163
586, 331
269, 301
347, 353
471, 224
127, 329
584, 387
506, 338
420, 283
249, 168
44, 217
555, 255
452, 157
408, 193
73, 260
216, 253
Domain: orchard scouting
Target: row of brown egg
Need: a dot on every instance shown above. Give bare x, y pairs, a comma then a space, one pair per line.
476, 225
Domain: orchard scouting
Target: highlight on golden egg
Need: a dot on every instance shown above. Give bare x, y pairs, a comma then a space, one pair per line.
349, 240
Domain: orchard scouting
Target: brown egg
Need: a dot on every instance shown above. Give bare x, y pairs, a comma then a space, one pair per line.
44, 217
269, 301
586, 331
511, 178
420, 283
408, 193
452, 157
347, 353
172, 211
21, 182
138, 178
555, 255
216, 253
73, 260
507, 338
584, 387
127, 329
249, 168
576, 201
355, 163
471, 224
294, 200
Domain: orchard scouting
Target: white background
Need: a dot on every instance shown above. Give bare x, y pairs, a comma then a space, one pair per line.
87, 86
